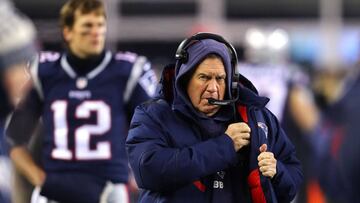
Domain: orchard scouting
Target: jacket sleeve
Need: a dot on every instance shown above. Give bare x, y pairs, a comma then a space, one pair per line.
289, 174
160, 167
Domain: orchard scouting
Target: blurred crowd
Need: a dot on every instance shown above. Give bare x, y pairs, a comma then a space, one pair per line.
317, 106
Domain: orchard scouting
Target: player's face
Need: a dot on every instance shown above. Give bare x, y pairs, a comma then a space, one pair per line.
15, 79
87, 36
208, 81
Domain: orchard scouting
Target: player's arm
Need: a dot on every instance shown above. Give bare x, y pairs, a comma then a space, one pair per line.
26, 165
303, 108
22, 125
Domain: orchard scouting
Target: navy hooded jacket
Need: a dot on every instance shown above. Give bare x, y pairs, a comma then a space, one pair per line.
179, 155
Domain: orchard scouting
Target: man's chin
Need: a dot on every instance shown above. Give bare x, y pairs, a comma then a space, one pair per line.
210, 111
94, 52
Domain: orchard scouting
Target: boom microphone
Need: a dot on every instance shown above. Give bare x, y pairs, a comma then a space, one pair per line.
221, 102
227, 101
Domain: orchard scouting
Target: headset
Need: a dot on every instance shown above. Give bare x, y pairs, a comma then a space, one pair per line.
182, 56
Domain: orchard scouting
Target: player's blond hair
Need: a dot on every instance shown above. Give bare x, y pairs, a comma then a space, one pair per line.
67, 13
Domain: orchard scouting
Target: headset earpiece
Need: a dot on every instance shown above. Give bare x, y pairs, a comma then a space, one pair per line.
182, 56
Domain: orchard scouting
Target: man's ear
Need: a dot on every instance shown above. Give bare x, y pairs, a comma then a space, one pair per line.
67, 34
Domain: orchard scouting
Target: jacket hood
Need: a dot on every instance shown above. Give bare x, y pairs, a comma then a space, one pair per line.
197, 52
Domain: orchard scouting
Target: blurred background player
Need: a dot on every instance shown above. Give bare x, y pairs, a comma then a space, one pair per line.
17, 35
336, 141
84, 98
288, 88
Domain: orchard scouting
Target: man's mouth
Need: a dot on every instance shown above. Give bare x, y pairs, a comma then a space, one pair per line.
207, 99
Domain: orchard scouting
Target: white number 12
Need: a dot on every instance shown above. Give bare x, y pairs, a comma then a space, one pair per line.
83, 133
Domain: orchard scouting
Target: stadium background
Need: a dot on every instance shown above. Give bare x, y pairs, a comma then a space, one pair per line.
320, 33
321, 37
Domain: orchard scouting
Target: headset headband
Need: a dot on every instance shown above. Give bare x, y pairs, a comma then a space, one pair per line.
182, 55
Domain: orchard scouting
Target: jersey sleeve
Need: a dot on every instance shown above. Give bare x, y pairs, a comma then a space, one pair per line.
40, 63
141, 84
26, 115
24, 119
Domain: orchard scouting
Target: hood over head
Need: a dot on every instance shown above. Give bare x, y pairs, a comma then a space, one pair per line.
197, 52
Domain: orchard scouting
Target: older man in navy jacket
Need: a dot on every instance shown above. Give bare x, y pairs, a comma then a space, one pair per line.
182, 148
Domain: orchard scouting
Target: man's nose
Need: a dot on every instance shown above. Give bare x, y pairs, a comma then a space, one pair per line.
212, 86
97, 31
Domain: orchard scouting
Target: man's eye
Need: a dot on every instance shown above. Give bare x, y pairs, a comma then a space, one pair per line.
87, 26
203, 77
220, 79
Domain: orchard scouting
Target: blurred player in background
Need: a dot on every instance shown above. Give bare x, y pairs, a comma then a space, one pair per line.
291, 99
336, 140
84, 98
346, 160
17, 35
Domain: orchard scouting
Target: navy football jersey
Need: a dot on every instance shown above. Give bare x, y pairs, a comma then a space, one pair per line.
85, 117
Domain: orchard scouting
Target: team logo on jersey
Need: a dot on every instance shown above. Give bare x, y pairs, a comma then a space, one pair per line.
79, 94
221, 174
218, 183
81, 83
264, 128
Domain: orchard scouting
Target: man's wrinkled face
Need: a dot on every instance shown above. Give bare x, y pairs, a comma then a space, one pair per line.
208, 81
87, 36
